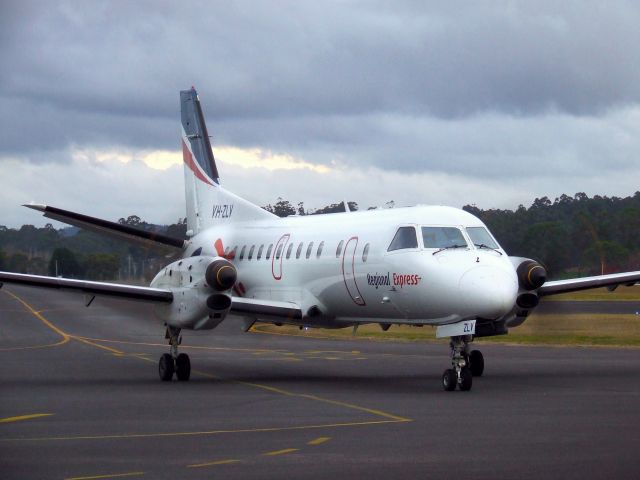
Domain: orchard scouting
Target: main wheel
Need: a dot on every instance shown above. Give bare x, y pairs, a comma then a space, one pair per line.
183, 367
466, 379
449, 380
166, 367
476, 363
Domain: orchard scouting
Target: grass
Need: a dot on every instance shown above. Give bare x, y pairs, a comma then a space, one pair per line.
619, 294
552, 329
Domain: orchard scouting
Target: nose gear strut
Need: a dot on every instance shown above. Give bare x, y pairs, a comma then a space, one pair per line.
466, 364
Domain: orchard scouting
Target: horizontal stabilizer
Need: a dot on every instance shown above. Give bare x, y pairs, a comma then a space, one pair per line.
113, 229
129, 292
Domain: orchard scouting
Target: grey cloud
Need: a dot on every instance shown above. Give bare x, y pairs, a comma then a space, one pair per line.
413, 84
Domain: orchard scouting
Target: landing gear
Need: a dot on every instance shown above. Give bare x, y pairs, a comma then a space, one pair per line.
465, 365
183, 367
449, 380
165, 367
476, 363
171, 363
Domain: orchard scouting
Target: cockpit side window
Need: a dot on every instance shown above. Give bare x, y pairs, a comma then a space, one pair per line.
405, 238
443, 237
481, 237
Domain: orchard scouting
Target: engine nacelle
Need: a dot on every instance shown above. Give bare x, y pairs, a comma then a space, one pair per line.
221, 275
531, 275
199, 285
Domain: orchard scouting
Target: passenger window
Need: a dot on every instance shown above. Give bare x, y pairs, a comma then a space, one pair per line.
309, 249
197, 252
405, 238
319, 250
253, 247
289, 250
365, 253
260, 251
339, 249
244, 247
279, 252
443, 237
233, 252
299, 251
269, 251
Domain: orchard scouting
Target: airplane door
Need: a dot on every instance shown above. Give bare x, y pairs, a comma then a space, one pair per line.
349, 272
276, 263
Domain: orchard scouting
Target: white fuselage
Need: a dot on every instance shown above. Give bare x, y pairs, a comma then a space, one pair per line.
354, 278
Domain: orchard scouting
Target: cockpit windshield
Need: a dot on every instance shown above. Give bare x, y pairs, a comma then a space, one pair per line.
482, 238
443, 237
405, 238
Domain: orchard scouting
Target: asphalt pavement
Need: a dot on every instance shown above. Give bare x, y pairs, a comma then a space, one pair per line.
80, 398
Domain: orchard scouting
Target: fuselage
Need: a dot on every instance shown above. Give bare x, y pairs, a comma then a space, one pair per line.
350, 268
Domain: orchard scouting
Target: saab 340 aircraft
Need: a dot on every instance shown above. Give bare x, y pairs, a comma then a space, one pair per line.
424, 265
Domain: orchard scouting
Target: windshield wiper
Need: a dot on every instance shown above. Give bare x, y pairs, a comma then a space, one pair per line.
449, 248
484, 245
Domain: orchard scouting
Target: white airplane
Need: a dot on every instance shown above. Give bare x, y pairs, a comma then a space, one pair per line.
424, 265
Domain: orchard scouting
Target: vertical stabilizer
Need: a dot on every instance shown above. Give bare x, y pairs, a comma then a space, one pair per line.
208, 204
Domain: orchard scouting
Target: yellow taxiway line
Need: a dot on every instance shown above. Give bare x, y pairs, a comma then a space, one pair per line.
24, 417
212, 464
108, 475
386, 417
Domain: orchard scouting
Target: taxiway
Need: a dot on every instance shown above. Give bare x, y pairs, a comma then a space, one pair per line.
81, 399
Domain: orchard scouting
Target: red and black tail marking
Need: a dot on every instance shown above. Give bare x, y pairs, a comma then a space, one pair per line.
197, 136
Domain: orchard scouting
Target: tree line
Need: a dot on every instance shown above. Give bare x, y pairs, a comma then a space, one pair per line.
571, 236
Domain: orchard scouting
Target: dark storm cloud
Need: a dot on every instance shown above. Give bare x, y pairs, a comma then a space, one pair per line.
357, 79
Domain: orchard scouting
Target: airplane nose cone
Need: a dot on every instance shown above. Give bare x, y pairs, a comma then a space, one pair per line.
488, 292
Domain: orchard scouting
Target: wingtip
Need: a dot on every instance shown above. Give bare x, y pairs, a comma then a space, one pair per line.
35, 206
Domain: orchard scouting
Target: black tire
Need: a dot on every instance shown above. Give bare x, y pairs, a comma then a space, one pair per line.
476, 363
449, 380
183, 367
466, 379
166, 367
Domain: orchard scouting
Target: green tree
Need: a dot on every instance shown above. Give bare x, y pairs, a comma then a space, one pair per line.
282, 208
606, 256
63, 262
18, 263
132, 220
548, 242
101, 266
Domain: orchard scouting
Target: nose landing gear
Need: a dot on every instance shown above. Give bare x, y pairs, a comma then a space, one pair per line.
466, 365
173, 362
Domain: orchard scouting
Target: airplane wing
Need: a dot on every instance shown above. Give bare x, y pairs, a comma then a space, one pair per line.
575, 284
113, 229
269, 310
130, 292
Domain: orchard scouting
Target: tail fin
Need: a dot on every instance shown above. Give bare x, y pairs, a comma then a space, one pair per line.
208, 204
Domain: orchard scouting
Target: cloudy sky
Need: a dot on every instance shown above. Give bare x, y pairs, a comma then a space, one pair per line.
492, 103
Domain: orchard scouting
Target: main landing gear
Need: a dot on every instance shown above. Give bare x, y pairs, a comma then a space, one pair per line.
466, 365
171, 363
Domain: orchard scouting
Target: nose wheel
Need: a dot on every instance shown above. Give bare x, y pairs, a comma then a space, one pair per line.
171, 363
465, 365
